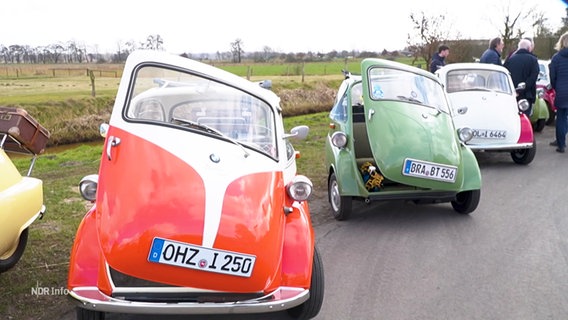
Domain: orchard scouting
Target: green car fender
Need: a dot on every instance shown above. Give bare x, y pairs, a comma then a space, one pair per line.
347, 175
472, 174
540, 110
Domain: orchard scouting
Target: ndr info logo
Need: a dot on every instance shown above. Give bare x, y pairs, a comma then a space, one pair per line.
48, 291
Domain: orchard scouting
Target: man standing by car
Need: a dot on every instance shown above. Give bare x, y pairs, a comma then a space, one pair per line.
438, 58
523, 66
493, 53
558, 68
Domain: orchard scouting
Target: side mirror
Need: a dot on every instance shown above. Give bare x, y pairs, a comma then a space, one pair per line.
266, 84
299, 132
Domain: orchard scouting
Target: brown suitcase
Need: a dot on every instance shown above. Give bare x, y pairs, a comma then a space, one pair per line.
24, 132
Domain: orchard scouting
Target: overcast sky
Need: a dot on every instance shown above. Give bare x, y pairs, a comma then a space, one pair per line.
284, 26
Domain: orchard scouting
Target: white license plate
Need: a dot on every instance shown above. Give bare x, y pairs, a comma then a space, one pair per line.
489, 134
429, 170
206, 259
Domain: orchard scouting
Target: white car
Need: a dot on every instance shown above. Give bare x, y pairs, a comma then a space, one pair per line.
483, 97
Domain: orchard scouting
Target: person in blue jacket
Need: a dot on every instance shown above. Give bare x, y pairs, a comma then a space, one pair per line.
438, 60
558, 68
493, 53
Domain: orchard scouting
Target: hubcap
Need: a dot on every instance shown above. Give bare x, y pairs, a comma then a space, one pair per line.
334, 196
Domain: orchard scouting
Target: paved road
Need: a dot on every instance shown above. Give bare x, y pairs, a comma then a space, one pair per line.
507, 260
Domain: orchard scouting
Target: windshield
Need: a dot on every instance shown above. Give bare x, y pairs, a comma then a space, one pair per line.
394, 84
470, 79
163, 96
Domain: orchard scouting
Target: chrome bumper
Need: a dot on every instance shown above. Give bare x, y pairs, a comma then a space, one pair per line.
500, 147
281, 299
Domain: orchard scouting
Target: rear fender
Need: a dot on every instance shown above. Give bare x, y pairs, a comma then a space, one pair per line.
527, 135
347, 175
472, 174
298, 250
85, 254
541, 109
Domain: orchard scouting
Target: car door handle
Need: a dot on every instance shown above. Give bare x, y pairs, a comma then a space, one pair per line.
114, 141
371, 113
462, 110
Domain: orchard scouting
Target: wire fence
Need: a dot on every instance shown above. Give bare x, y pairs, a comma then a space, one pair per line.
35, 71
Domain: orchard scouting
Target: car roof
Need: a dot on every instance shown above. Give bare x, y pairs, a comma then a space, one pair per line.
398, 65
145, 56
473, 66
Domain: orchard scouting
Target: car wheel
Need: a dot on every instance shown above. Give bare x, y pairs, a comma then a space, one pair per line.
340, 205
552, 118
539, 125
10, 260
312, 306
466, 201
524, 156
84, 314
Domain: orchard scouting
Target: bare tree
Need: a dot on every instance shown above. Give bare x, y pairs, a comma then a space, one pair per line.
540, 25
517, 23
237, 50
429, 33
16, 53
56, 50
564, 26
154, 42
268, 53
508, 31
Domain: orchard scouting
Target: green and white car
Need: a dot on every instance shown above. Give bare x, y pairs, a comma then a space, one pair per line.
392, 137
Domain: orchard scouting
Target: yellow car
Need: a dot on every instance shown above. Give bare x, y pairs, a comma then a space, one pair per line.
21, 196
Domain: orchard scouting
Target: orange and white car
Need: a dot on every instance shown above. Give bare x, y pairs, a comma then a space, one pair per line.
198, 208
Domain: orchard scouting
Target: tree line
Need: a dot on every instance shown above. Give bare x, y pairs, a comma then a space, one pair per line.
427, 34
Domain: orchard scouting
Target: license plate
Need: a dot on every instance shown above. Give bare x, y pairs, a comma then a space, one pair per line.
429, 170
489, 134
199, 258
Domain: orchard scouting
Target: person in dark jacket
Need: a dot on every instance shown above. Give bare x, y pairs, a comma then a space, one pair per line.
531, 49
558, 68
493, 53
523, 66
438, 60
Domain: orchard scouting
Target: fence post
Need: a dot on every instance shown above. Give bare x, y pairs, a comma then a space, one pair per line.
92, 75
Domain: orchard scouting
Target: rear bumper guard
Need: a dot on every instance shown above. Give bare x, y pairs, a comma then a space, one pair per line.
281, 299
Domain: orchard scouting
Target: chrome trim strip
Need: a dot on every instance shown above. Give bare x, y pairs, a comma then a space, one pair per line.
119, 290
281, 299
499, 147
